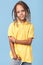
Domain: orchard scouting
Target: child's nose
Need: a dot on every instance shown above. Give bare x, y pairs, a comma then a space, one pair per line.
21, 13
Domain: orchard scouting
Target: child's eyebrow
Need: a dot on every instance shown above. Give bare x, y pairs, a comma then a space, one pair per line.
21, 10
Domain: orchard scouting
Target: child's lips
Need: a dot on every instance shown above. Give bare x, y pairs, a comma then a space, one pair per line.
21, 16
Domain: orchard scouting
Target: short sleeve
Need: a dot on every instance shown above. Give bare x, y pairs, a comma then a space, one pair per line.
10, 30
31, 32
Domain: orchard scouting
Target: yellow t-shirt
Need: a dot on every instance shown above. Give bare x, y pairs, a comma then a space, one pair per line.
22, 31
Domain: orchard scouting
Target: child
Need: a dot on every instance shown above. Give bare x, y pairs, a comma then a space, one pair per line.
21, 34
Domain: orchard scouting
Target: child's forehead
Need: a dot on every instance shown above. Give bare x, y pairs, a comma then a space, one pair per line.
19, 7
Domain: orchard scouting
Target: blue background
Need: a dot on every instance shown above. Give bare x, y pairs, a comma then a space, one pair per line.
36, 7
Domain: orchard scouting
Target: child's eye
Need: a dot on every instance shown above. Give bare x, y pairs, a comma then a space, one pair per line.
22, 10
18, 11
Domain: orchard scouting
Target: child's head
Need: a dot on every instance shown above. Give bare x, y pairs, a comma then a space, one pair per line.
21, 11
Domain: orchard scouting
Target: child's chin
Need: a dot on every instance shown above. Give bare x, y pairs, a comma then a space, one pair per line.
22, 19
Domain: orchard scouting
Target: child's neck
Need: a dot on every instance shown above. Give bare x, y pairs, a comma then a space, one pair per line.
21, 21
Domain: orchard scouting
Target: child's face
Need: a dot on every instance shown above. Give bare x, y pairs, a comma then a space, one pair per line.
21, 14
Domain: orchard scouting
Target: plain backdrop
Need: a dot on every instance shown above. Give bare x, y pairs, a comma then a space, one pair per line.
36, 7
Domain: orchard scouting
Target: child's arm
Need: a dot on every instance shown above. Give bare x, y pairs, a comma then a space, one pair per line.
13, 50
25, 42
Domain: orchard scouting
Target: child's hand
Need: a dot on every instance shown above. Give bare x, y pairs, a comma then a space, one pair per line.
16, 57
19, 58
